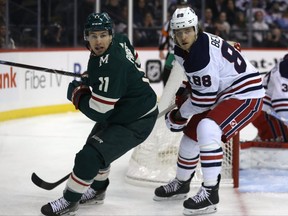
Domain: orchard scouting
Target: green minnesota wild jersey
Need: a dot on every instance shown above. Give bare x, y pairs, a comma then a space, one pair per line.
120, 92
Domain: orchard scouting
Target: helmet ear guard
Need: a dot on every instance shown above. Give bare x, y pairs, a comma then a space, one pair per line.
98, 22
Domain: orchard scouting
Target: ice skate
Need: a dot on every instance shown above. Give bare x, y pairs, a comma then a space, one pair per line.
60, 207
204, 202
91, 197
174, 190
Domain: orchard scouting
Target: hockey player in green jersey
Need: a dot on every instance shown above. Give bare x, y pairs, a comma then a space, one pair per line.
115, 95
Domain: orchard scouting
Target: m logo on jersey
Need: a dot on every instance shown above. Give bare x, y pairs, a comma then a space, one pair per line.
103, 60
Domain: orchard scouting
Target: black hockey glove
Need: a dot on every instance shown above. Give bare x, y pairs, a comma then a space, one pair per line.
76, 90
182, 93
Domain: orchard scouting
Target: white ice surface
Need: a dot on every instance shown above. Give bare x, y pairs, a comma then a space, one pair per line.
47, 145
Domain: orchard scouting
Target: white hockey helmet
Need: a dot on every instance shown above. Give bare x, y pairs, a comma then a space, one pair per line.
184, 18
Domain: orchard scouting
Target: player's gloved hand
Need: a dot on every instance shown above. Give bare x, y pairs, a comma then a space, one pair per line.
85, 78
182, 93
237, 46
174, 121
76, 90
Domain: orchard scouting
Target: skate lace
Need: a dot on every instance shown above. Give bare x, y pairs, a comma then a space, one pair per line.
201, 196
90, 193
174, 185
59, 204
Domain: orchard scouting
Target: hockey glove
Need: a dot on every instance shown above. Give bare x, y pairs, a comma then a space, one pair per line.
76, 90
85, 78
237, 46
173, 123
182, 93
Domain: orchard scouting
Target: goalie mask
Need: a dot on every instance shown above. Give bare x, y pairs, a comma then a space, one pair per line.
98, 22
184, 18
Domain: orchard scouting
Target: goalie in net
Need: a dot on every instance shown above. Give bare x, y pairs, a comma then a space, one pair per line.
225, 94
272, 123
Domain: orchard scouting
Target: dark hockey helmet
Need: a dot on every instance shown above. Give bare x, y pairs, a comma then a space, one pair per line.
283, 66
98, 22
182, 2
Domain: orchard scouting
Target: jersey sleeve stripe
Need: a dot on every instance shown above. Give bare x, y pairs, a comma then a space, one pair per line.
101, 104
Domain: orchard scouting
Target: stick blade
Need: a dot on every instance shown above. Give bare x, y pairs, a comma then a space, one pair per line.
40, 183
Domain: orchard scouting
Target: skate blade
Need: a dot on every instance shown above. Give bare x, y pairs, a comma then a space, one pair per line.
207, 210
175, 197
92, 202
72, 213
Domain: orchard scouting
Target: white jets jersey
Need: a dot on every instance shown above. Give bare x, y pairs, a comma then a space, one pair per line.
276, 97
216, 71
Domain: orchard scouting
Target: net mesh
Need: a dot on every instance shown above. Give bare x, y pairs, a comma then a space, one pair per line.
154, 161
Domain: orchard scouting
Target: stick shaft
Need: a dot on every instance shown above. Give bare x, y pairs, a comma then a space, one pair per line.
31, 67
163, 112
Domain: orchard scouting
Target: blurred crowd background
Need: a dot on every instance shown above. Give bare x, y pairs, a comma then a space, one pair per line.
59, 23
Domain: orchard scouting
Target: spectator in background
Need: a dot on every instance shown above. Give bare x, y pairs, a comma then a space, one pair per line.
114, 9
217, 6
6, 44
147, 34
260, 27
141, 7
6, 40
257, 5
239, 28
2, 10
222, 27
241, 5
274, 11
52, 36
209, 25
231, 12
157, 11
282, 22
27, 38
122, 25
276, 39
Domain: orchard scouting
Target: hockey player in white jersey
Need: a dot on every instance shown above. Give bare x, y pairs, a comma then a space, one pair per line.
226, 94
272, 123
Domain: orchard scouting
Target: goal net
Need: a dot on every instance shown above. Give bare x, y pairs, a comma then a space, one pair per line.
154, 161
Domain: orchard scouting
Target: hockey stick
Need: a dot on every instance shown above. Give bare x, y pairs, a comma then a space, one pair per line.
51, 185
163, 112
66, 73
47, 185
